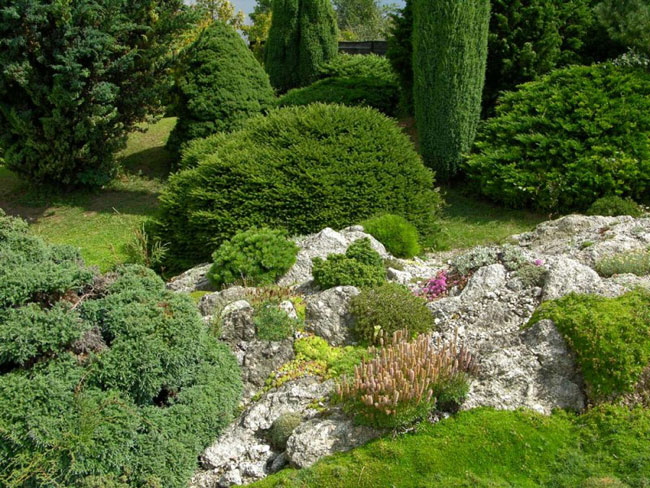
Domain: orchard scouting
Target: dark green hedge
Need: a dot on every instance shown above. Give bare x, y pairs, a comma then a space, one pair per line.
564, 141
300, 169
220, 85
112, 381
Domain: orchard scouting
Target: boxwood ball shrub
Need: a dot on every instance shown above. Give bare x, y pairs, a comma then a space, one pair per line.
220, 85
614, 206
103, 379
382, 311
562, 142
360, 266
400, 237
256, 257
299, 169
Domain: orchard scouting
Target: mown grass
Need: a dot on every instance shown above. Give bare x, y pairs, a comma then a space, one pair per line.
98, 222
488, 448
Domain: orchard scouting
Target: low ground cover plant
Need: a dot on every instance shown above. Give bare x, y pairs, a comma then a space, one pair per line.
633, 262
614, 206
382, 311
559, 143
610, 337
300, 169
400, 237
102, 378
406, 381
360, 266
256, 257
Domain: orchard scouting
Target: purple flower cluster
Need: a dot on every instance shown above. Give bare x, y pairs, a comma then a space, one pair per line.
435, 287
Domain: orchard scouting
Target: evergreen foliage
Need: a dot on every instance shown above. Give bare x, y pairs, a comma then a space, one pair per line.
273, 323
109, 382
299, 169
449, 55
613, 206
627, 21
302, 37
76, 78
360, 266
396, 233
560, 143
400, 53
220, 86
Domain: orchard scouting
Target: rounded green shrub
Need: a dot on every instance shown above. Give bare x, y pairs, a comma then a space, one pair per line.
396, 233
614, 206
360, 266
256, 257
112, 383
282, 428
384, 310
562, 142
358, 66
350, 91
299, 169
220, 86
272, 323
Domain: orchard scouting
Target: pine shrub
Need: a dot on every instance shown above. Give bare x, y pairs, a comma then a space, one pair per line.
380, 312
107, 382
220, 86
449, 60
400, 237
256, 257
562, 142
300, 169
272, 323
360, 266
358, 65
613, 206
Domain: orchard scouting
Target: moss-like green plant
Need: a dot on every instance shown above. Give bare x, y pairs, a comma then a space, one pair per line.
633, 262
255, 257
396, 233
610, 337
380, 312
337, 360
614, 206
273, 324
282, 428
360, 266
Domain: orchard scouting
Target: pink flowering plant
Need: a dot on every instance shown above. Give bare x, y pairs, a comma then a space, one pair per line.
440, 285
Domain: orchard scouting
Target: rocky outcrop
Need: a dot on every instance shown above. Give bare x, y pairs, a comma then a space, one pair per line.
327, 314
192, 280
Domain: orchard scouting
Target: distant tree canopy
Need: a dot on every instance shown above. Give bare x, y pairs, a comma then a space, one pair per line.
627, 21
76, 77
363, 20
222, 10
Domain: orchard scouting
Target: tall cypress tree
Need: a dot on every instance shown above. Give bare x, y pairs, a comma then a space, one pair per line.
303, 35
449, 61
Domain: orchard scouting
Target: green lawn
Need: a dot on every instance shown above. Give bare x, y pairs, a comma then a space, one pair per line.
101, 222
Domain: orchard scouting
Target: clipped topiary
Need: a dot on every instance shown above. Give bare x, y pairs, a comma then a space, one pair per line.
396, 233
380, 312
360, 266
574, 136
614, 206
256, 257
449, 60
108, 382
220, 86
298, 169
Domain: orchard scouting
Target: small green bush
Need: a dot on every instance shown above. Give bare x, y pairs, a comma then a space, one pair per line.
560, 143
349, 91
272, 323
633, 262
282, 428
396, 233
358, 66
382, 311
360, 266
614, 206
256, 257
610, 337
220, 86
300, 169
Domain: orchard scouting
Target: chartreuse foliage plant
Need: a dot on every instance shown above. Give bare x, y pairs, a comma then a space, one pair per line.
610, 337
299, 169
76, 78
606, 447
219, 87
382, 311
104, 380
560, 143
449, 59
400, 237
256, 257
360, 266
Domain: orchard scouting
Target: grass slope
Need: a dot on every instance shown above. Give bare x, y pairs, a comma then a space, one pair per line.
488, 448
98, 222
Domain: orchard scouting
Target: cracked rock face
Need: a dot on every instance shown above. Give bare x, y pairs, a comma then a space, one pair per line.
328, 316
192, 280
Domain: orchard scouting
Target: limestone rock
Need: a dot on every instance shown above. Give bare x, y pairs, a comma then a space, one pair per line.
327, 314
566, 275
191, 280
